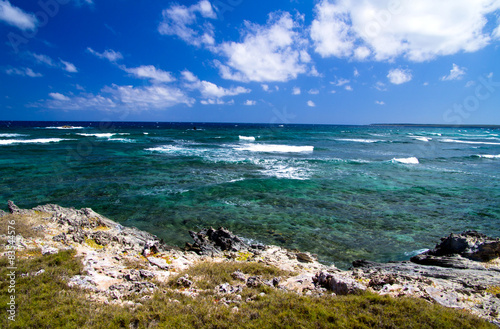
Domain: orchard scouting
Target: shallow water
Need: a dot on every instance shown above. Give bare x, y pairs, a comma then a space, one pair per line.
342, 192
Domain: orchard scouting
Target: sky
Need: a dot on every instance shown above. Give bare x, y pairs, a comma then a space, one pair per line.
280, 62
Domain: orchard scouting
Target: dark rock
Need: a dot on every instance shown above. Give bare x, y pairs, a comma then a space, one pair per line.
13, 209
339, 284
470, 244
254, 282
146, 274
304, 257
61, 238
133, 275
211, 242
276, 282
184, 281
226, 288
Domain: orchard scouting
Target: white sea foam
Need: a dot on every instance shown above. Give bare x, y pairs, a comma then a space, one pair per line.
247, 138
411, 160
12, 135
123, 140
98, 135
275, 148
415, 252
146, 133
32, 141
467, 142
421, 138
165, 149
489, 156
358, 140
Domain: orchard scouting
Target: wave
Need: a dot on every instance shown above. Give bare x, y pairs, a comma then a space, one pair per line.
487, 156
358, 140
410, 160
32, 141
98, 135
467, 142
12, 135
123, 140
421, 138
275, 148
165, 149
247, 138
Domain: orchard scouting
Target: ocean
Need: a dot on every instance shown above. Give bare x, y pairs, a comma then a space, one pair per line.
382, 193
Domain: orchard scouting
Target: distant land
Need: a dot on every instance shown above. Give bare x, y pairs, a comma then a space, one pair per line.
433, 125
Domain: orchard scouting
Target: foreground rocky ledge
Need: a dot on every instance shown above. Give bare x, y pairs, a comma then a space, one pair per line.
463, 271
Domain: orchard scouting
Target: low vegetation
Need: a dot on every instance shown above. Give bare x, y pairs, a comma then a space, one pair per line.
44, 300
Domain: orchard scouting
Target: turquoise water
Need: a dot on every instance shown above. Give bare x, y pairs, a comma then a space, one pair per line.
341, 192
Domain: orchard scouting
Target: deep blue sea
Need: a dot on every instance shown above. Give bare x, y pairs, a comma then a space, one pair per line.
341, 192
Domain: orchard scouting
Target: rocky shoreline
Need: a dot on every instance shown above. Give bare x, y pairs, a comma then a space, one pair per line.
463, 271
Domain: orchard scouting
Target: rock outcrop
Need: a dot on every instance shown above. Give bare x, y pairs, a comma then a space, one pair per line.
462, 271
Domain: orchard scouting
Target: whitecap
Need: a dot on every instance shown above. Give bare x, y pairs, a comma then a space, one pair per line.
165, 149
410, 160
123, 140
421, 138
12, 135
358, 140
146, 133
101, 135
488, 156
32, 141
467, 142
275, 148
247, 138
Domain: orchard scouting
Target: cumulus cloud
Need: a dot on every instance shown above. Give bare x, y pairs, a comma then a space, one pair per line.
210, 90
15, 16
273, 52
150, 72
340, 82
417, 30
456, 73
182, 22
311, 104
59, 97
108, 54
121, 98
24, 72
296, 91
250, 103
399, 76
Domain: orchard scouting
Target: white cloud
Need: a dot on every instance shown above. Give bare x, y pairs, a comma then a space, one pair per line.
418, 30
121, 98
17, 17
399, 76
348, 88
313, 91
470, 84
380, 86
150, 72
182, 22
340, 82
250, 103
59, 97
456, 73
380, 102
108, 54
43, 59
68, 67
274, 52
356, 72
25, 72
311, 104
210, 90
265, 87
296, 91
331, 31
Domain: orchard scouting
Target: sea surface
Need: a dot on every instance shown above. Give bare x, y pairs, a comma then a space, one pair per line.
341, 192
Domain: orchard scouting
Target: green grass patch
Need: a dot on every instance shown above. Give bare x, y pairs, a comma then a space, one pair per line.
45, 301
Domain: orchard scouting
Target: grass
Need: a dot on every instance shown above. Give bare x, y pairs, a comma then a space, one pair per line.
22, 224
45, 301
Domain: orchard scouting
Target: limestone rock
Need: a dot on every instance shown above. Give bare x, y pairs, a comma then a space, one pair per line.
211, 242
339, 284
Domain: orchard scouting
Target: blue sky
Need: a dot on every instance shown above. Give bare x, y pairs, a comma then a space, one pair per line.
331, 62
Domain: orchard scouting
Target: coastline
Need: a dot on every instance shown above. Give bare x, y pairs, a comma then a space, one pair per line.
109, 252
